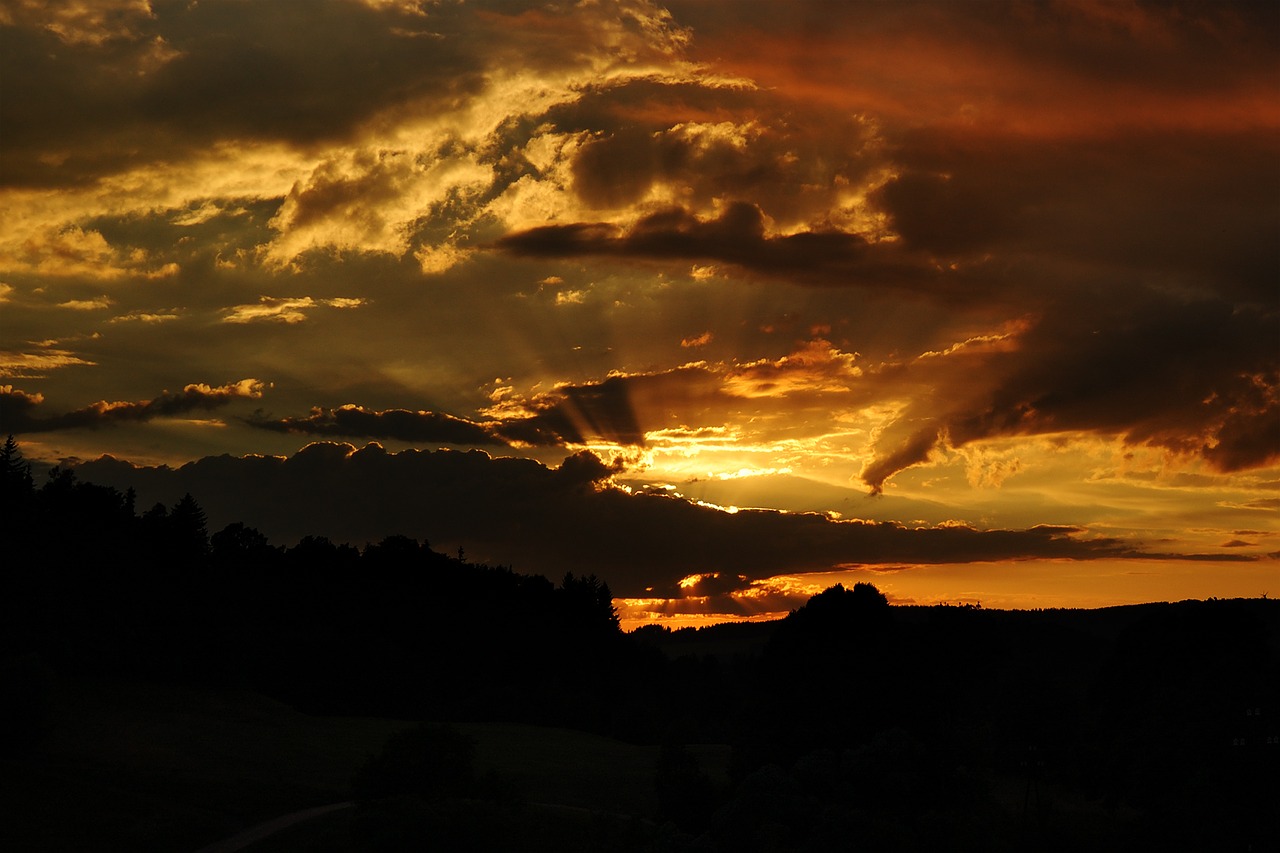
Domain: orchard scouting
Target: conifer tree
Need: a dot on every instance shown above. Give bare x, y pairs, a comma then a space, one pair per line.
16, 485
189, 527
15, 472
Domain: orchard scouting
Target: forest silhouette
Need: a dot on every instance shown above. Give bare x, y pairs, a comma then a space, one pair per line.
853, 724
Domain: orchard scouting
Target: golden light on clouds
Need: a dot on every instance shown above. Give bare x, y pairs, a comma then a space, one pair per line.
969, 269
284, 309
31, 364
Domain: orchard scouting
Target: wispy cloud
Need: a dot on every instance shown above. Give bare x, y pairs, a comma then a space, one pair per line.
18, 409
353, 421
98, 304
31, 365
284, 309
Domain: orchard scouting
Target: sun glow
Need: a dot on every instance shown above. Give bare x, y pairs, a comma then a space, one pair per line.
739, 263
1032, 584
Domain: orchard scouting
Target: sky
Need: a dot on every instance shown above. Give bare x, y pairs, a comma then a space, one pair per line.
723, 302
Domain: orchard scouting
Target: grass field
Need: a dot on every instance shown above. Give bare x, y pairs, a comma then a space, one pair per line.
139, 767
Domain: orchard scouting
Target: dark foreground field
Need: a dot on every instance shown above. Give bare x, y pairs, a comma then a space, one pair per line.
1117, 729
162, 688
136, 766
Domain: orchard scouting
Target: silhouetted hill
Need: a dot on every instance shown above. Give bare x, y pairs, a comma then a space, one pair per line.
851, 722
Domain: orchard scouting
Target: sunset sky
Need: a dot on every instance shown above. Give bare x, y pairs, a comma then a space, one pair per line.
722, 301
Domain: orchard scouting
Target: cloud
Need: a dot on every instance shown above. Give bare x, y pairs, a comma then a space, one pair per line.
552, 520
368, 142
87, 304
224, 75
71, 251
78, 21
809, 172
571, 414
623, 409
283, 309
619, 409
1197, 378
914, 450
374, 127
33, 365
1052, 69
1197, 208
17, 408
148, 318
697, 340
369, 200
897, 234
793, 398
603, 410
357, 422
737, 236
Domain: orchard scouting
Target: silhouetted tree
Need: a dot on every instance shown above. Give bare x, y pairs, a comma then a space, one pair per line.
237, 544
59, 485
590, 601
834, 621
188, 527
395, 550
318, 555
16, 493
15, 472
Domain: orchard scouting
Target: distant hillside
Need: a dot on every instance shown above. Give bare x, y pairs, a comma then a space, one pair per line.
849, 721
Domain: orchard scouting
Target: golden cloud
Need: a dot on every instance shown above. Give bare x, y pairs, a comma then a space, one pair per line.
87, 304
26, 365
284, 309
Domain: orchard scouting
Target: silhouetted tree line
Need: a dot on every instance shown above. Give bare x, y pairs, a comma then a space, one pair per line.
854, 724
865, 726
92, 585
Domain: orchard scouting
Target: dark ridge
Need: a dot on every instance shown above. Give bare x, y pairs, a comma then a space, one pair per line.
852, 724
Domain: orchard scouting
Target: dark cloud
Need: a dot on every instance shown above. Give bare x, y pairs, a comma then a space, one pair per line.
927, 60
18, 410
620, 409
1194, 377
737, 237
1250, 433
552, 520
1037, 219
1197, 209
913, 450
352, 421
572, 414
83, 102
645, 138
758, 600
195, 73
602, 410
551, 427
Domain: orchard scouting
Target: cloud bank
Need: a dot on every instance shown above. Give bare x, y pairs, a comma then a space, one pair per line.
552, 520
18, 410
